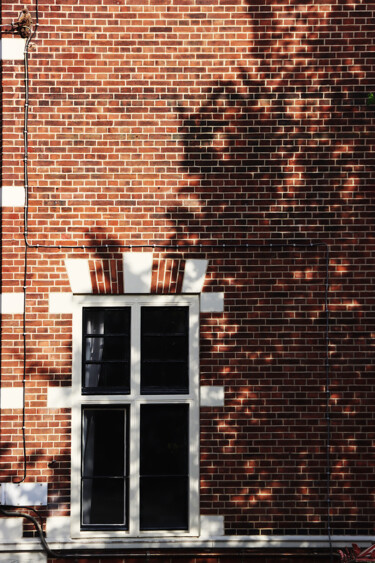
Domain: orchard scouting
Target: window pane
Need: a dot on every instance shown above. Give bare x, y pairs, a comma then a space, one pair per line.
166, 320
166, 380
103, 501
102, 348
106, 320
104, 466
103, 442
106, 350
164, 466
164, 350
164, 503
160, 347
164, 439
117, 321
114, 376
93, 321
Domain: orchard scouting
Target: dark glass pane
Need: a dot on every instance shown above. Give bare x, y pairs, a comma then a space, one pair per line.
164, 440
112, 320
172, 377
103, 501
93, 321
117, 321
94, 349
109, 375
158, 347
165, 320
101, 348
103, 442
164, 503
164, 340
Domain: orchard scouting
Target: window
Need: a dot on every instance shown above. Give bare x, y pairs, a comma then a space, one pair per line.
135, 425
106, 350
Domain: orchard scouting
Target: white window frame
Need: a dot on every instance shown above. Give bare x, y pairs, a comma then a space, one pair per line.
135, 399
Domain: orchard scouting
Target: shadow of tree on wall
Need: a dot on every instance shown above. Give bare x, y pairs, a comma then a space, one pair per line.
268, 168
279, 153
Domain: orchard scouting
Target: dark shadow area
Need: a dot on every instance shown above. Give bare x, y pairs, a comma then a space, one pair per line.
284, 152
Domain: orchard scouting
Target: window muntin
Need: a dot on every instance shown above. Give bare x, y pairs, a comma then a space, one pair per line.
186, 520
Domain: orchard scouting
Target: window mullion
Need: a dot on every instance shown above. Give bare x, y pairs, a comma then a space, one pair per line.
134, 469
135, 351
134, 422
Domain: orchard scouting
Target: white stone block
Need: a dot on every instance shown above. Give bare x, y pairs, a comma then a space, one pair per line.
12, 196
10, 529
137, 268
11, 398
12, 303
79, 275
58, 528
194, 274
212, 526
60, 303
59, 398
212, 302
12, 48
212, 396
12, 557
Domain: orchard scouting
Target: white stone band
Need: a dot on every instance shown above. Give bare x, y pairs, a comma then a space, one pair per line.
212, 302
11, 398
11, 303
12, 49
12, 196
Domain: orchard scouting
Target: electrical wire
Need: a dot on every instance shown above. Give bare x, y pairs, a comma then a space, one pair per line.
26, 187
17, 514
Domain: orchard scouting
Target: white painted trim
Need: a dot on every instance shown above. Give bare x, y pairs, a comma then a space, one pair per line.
79, 275
59, 397
58, 528
11, 557
12, 49
135, 398
221, 542
212, 302
11, 303
194, 275
212, 526
11, 398
212, 396
137, 267
60, 303
10, 529
24, 494
12, 196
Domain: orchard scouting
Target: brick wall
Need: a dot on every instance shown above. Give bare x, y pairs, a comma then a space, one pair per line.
202, 122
